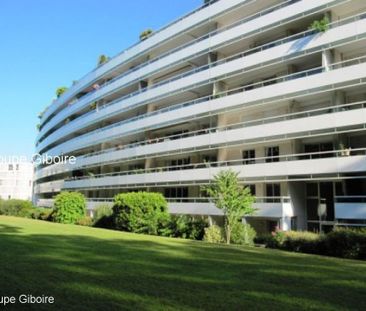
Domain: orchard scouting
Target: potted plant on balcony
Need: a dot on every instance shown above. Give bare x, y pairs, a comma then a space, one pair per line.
345, 152
93, 106
60, 90
102, 59
146, 34
321, 25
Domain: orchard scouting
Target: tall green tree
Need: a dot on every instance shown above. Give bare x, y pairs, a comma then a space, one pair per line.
232, 198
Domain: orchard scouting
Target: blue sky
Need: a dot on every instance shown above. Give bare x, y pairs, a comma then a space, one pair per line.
46, 44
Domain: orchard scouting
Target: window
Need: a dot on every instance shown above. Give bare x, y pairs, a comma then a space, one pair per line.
312, 189
316, 148
249, 156
176, 192
17, 167
273, 190
252, 188
10, 167
133, 167
272, 154
179, 162
269, 81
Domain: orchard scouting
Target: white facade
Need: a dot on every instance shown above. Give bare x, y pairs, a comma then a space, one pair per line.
236, 83
16, 180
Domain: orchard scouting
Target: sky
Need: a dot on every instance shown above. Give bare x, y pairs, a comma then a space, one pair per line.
45, 44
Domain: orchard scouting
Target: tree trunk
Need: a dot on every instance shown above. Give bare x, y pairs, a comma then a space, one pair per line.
228, 232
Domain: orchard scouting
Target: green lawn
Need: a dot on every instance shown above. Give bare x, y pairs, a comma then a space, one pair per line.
95, 269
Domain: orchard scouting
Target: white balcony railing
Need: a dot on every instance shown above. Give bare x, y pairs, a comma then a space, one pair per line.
300, 123
223, 164
296, 13
278, 54
301, 166
269, 207
284, 84
181, 25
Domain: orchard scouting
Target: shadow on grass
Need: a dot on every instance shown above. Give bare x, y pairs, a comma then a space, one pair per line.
132, 273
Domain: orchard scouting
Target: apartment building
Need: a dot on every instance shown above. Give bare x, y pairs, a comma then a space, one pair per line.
16, 180
241, 84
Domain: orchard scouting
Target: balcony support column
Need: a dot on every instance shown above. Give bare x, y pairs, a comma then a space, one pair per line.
327, 59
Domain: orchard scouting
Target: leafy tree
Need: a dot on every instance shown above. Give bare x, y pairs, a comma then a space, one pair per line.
140, 212
60, 90
232, 198
70, 207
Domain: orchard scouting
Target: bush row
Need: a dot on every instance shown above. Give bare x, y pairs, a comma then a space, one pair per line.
23, 208
139, 212
341, 242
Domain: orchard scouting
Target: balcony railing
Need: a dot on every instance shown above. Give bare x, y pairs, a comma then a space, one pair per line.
274, 199
192, 42
239, 162
213, 64
285, 117
154, 33
245, 88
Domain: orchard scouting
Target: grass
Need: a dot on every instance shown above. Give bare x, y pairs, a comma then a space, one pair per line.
95, 269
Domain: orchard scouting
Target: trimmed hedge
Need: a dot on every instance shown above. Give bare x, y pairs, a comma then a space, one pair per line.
140, 212
342, 242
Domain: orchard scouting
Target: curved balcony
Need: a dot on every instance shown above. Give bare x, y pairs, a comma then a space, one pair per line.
282, 126
49, 187
297, 10
181, 25
263, 168
272, 53
270, 207
338, 75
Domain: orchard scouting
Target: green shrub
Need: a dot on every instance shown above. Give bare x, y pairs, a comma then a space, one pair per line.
69, 207
214, 234
47, 214
243, 234
184, 226
346, 243
14, 207
342, 242
85, 221
103, 216
140, 212
301, 241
